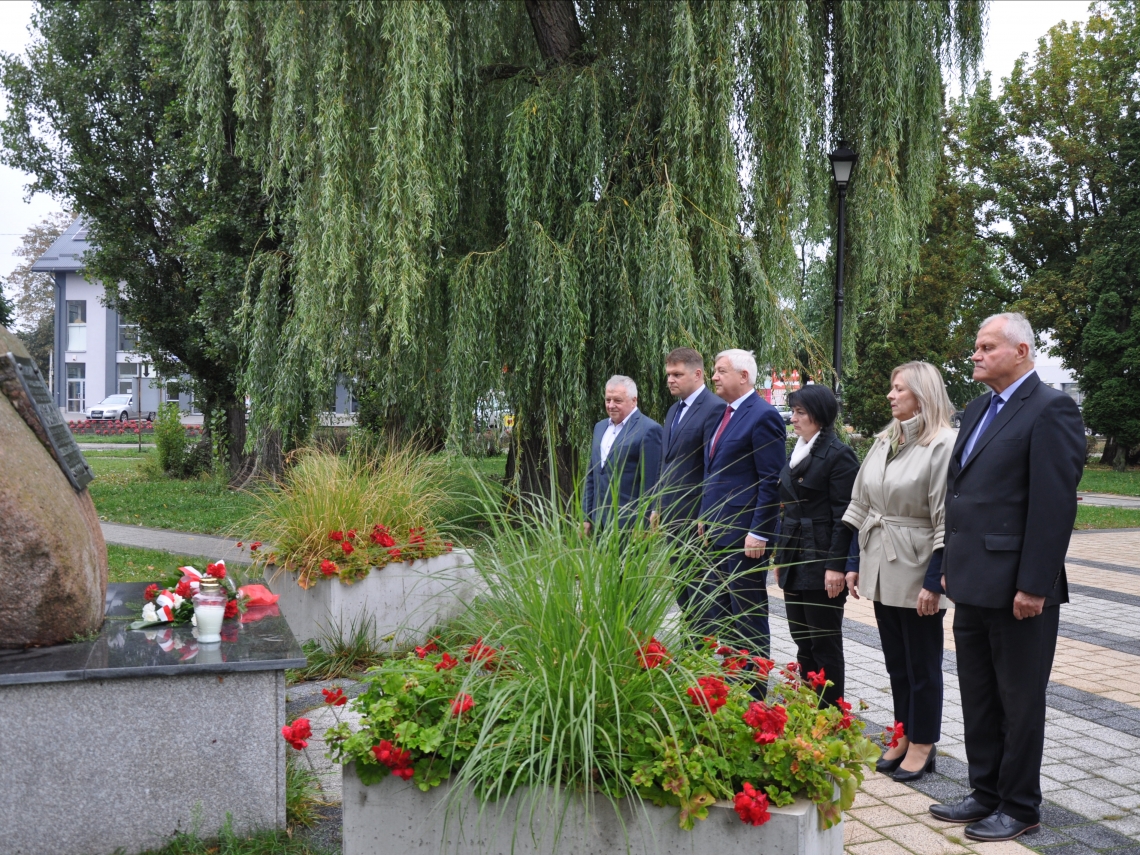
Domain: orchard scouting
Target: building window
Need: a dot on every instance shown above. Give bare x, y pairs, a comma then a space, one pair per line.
1073, 390
172, 393
128, 336
127, 375
77, 325
76, 387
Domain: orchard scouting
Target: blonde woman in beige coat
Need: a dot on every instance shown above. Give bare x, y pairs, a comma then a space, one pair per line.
898, 508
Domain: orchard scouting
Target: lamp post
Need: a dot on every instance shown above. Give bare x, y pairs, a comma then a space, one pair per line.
842, 163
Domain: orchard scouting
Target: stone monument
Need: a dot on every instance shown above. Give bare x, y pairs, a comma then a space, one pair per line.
53, 560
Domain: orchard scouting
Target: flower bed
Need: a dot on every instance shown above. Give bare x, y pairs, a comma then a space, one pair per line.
110, 427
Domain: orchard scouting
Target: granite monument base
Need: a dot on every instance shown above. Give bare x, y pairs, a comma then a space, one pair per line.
122, 741
406, 599
394, 816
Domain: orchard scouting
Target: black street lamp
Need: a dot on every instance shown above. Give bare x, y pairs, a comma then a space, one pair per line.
842, 163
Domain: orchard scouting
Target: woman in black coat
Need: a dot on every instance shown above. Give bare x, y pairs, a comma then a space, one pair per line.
812, 546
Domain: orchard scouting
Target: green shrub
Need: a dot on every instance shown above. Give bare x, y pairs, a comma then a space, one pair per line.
177, 455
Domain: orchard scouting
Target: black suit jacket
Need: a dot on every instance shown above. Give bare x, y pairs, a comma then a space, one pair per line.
683, 460
1010, 509
630, 470
813, 498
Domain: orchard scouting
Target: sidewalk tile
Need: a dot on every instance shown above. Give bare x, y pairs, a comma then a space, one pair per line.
1083, 803
880, 817
855, 832
922, 840
1102, 789
913, 804
881, 786
879, 847
865, 799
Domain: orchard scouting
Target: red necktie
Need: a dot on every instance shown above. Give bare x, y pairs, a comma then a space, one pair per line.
720, 430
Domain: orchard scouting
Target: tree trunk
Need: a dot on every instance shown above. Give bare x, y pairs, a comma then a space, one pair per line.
1121, 460
1108, 456
236, 457
556, 29
528, 461
267, 461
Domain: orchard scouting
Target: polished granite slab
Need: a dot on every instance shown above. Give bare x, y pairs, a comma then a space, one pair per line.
258, 645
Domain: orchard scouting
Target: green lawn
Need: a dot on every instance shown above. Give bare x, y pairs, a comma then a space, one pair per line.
124, 491
129, 564
1103, 479
1090, 516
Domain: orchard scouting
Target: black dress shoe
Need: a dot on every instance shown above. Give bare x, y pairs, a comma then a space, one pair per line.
967, 810
887, 766
904, 777
999, 826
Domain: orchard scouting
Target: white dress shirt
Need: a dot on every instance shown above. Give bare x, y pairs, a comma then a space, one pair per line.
611, 435
689, 404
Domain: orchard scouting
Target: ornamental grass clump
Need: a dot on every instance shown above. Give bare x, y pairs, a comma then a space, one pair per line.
573, 672
341, 515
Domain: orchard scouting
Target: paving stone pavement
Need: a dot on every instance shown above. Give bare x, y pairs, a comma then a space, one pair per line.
1091, 771
179, 542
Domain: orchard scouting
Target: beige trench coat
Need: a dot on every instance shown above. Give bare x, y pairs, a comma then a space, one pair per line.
899, 509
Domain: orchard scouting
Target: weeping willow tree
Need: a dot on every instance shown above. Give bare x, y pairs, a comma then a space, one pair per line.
531, 195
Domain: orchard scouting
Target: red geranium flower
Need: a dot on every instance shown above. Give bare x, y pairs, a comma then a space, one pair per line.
894, 733
351, 534
334, 697
231, 610
763, 666
395, 553
399, 760
845, 707
751, 805
150, 593
447, 545
447, 663
652, 654
182, 589
256, 545
337, 536
218, 571
426, 649
381, 537
769, 721
462, 704
735, 661
710, 693
480, 652
347, 548
794, 667
329, 568
297, 733
239, 544
818, 678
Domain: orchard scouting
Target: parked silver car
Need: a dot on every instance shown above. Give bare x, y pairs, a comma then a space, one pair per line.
120, 407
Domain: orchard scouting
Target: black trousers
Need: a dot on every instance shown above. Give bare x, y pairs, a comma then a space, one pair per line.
912, 648
1003, 671
729, 601
816, 623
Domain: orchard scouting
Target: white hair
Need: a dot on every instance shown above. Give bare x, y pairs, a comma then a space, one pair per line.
740, 360
1016, 330
622, 380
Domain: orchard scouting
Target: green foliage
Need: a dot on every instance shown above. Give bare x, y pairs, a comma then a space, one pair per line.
132, 564
1099, 479
570, 689
362, 510
957, 286
341, 651
7, 311
1093, 517
34, 293
229, 842
457, 213
302, 793
175, 453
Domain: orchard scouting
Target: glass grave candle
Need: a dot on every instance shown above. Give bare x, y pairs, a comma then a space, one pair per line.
209, 610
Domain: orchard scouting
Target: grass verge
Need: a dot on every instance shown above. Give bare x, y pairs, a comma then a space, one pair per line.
131, 564
230, 843
302, 794
341, 651
1092, 517
1104, 479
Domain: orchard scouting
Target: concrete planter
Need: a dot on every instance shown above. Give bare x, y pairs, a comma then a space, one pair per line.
405, 599
394, 816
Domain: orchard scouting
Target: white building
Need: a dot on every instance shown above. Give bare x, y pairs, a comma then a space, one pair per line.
94, 354
1052, 373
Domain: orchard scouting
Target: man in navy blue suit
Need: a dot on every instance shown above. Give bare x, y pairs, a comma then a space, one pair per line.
740, 501
625, 458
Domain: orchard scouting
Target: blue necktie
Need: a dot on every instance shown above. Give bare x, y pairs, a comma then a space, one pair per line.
987, 419
677, 419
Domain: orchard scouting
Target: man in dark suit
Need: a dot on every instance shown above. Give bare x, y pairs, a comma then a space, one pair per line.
1011, 502
689, 425
740, 501
625, 459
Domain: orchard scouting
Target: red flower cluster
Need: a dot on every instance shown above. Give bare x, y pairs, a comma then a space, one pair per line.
847, 720
395, 553
446, 663
231, 610
381, 537
710, 693
218, 571
652, 654
256, 545
751, 805
769, 722
416, 539
334, 697
329, 568
792, 667
183, 589
350, 534
763, 666
150, 593
818, 678
894, 734
297, 733
399, 760
336, 536
462, 704
480, 652
734, 660
347, 548
426, 649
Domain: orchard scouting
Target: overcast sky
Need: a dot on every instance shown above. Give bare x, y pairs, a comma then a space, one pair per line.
1015, 26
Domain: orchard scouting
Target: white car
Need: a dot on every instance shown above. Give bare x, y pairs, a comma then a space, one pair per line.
119, 407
